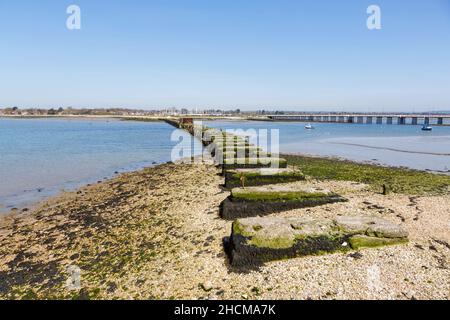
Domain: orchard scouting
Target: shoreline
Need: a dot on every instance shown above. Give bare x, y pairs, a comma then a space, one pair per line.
156, 234
374, 162
32, 205
205, 117
55, 192
126, 117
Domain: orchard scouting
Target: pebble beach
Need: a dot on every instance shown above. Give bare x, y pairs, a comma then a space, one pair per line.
157, 234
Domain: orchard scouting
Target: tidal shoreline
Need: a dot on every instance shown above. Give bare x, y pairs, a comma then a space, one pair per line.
156, 234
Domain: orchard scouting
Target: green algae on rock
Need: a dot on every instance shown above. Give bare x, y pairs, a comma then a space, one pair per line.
240, 153
396, 180
361, 241
261, 176
263, 200
254, 241
240, 150
254, 162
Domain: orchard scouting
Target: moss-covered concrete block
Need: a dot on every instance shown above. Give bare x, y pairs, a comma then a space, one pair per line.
254, 241
261, 176
241, 149
236, 144
221, 138
244, 152
254, 162
263, 200
228, 138
239, 152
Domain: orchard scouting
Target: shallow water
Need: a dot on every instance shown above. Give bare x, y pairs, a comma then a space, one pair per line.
393, 145
41, 157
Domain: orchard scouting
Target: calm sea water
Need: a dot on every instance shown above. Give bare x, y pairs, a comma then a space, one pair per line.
41, 157
392, 145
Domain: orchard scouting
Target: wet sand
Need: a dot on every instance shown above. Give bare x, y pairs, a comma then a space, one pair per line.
392, 149
157, 234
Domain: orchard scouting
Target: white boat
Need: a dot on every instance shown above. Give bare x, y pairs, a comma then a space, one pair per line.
309, 127
427, 128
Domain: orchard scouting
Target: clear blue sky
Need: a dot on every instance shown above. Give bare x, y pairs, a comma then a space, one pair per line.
251, 54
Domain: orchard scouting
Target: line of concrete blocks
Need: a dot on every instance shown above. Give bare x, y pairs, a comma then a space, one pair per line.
233, 151
254, 178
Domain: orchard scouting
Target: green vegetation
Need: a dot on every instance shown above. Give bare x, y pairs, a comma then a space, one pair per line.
362, 241
262, 241
255, 178
281, 174
142, 119
235, 144
239, 148
246, 153
251, 195
286, 238
283, 240
255, 163
397, 180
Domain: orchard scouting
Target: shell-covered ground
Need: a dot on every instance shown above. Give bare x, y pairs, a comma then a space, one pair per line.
157, 234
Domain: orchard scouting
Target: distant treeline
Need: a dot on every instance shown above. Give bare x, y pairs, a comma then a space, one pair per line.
73, 111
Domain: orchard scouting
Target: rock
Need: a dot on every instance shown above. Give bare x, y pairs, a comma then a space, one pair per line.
370, 226
254, 241
206, 286
219, 138
361, 241
220, 293
254, 162
356, 255
386, 189
262, 200
240, 152
242, 149
261, 176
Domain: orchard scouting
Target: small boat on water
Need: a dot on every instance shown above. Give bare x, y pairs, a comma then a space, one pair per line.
427, 128
309, 127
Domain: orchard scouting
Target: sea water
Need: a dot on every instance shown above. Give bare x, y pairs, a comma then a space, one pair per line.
392, 145
41, 157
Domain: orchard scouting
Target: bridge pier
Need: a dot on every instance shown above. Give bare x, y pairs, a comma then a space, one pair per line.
369, 118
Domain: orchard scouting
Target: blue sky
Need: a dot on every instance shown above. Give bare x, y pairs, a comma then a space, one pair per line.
252, 54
